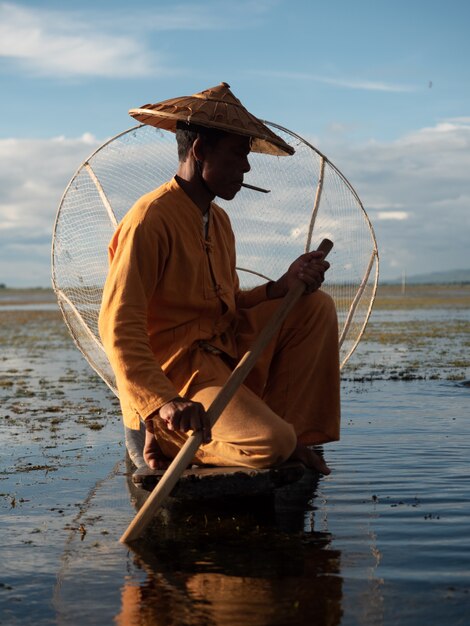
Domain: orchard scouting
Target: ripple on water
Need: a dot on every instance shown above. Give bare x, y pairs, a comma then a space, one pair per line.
400, 492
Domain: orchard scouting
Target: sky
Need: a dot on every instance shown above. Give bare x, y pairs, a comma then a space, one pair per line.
381, 88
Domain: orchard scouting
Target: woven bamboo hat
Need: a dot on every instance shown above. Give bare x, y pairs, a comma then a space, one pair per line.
216, 107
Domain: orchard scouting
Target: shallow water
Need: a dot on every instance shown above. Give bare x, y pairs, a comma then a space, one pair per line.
385, 539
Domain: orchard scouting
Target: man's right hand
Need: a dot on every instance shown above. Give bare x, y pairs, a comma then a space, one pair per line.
184, 415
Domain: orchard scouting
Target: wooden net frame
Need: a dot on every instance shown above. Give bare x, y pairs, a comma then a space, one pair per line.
310, 199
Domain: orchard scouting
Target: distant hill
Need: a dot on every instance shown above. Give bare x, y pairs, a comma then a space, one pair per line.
451, 276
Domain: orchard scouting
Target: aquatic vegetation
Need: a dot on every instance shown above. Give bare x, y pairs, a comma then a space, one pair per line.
420, 334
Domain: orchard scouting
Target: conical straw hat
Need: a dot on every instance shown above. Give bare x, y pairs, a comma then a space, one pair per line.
216, 107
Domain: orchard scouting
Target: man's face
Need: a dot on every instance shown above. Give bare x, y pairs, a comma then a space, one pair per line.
225, 164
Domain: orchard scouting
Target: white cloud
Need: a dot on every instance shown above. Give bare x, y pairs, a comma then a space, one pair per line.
416, 191
365, 85
33, 175
392, 215
348, 83
465, 120
59, 44
203, 15
70, 43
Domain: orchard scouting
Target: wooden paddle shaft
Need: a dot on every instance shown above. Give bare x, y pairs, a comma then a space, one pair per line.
189, 449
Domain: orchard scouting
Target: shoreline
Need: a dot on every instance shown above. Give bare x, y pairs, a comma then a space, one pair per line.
389, 296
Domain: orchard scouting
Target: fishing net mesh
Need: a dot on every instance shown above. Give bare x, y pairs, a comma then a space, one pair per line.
270, 229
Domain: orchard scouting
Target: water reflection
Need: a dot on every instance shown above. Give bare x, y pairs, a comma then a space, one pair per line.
267, 582
236, 568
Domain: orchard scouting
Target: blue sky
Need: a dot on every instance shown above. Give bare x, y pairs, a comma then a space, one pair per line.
382, 88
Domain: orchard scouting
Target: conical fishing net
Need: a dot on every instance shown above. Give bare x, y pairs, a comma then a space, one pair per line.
309, 200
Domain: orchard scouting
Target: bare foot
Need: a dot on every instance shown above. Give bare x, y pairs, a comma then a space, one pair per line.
153, 455
310, 459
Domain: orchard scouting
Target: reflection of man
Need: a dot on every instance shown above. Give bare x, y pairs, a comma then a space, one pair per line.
174, 321
262, 581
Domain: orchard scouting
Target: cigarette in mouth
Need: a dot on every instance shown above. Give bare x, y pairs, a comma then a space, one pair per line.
256, 188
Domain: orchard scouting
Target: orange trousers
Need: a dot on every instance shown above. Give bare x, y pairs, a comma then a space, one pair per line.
292, 394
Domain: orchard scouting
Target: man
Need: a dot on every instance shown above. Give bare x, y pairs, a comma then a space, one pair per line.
174, 321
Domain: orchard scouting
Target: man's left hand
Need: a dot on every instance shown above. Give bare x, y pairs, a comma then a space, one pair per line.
310, 268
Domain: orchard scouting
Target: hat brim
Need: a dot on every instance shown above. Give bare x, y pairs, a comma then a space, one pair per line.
214, 108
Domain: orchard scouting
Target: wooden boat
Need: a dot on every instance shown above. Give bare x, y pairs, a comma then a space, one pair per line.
230, 496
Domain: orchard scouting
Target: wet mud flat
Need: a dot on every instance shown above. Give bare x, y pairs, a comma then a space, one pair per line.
421, 332
60, 430
385, 538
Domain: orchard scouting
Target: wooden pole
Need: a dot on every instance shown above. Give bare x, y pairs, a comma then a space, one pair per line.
187, 452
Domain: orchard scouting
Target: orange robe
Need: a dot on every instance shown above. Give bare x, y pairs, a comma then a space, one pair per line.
169, 287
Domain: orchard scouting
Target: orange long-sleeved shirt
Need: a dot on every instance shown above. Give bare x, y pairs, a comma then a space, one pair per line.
168, 287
